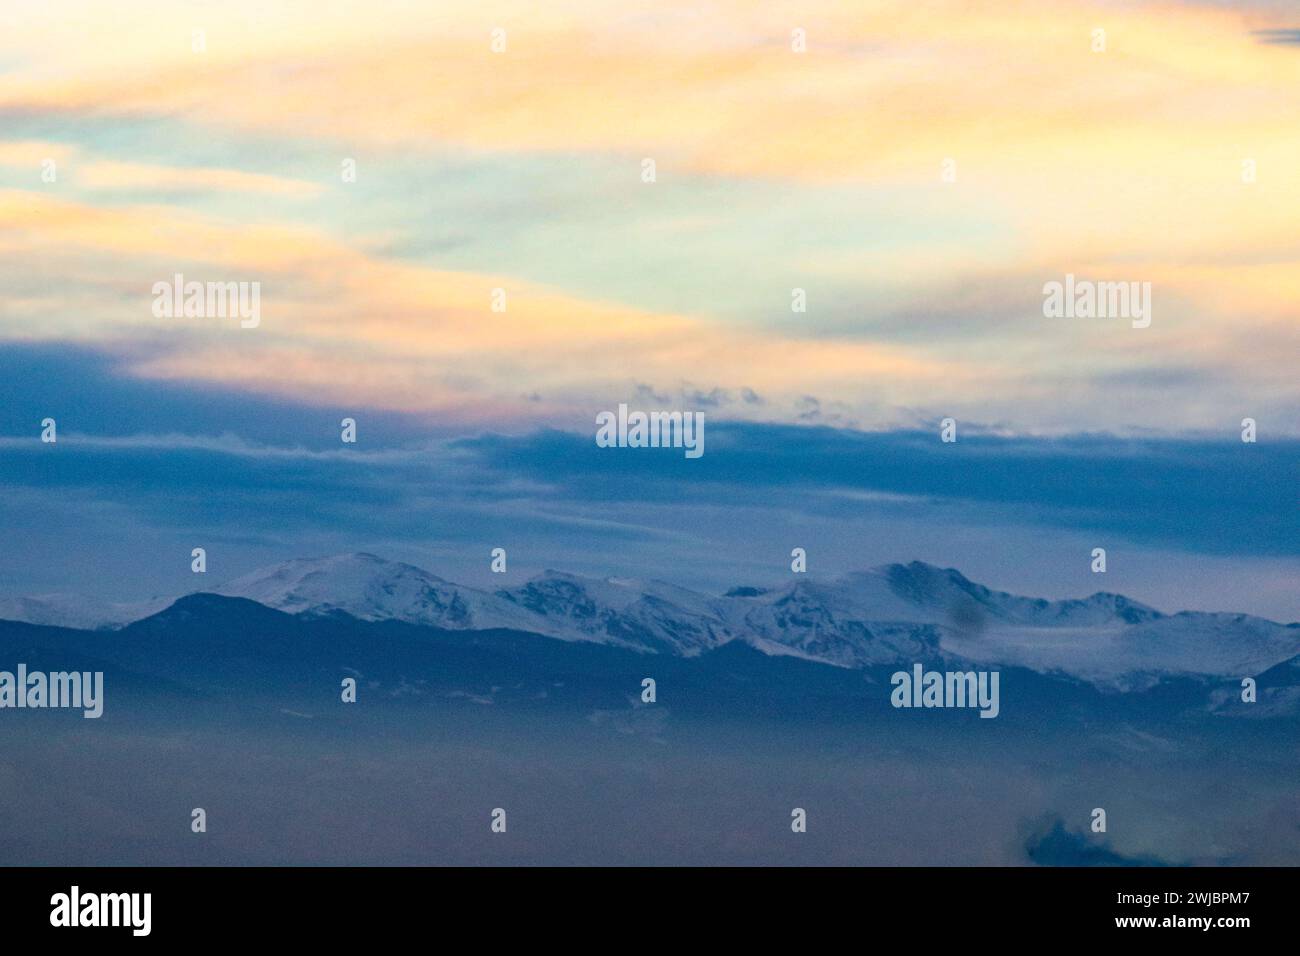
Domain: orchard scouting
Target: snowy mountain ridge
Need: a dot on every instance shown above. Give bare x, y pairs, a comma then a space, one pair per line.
894, 613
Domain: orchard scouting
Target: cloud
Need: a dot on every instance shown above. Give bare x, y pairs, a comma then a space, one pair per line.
143, 469
89, 172
777, 170
1278, 37
1208, 494
105, 175
339, 325
1059, 847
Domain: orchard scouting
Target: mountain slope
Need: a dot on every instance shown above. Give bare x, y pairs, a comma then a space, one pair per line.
70, 610
889, 615
371, 588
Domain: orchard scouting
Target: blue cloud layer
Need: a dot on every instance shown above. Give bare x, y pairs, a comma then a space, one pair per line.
144, 466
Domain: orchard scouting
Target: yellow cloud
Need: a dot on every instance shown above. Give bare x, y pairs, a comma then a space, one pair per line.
103, 174
30, 154
1136, 146
339, 325
1126, 163
87, 172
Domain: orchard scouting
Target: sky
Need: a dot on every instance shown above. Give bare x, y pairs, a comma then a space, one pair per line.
918, 171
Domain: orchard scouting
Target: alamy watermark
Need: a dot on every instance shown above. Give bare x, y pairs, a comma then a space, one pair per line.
75, 908
1085, 299
36, 689
922, 688
208, 300
651, 430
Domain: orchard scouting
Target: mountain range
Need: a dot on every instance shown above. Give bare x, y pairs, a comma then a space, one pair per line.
897, 613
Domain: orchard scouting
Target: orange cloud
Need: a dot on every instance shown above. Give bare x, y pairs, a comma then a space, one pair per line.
339, 325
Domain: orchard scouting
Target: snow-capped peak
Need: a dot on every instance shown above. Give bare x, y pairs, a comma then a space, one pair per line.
70, 610
894, 613
366, 587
